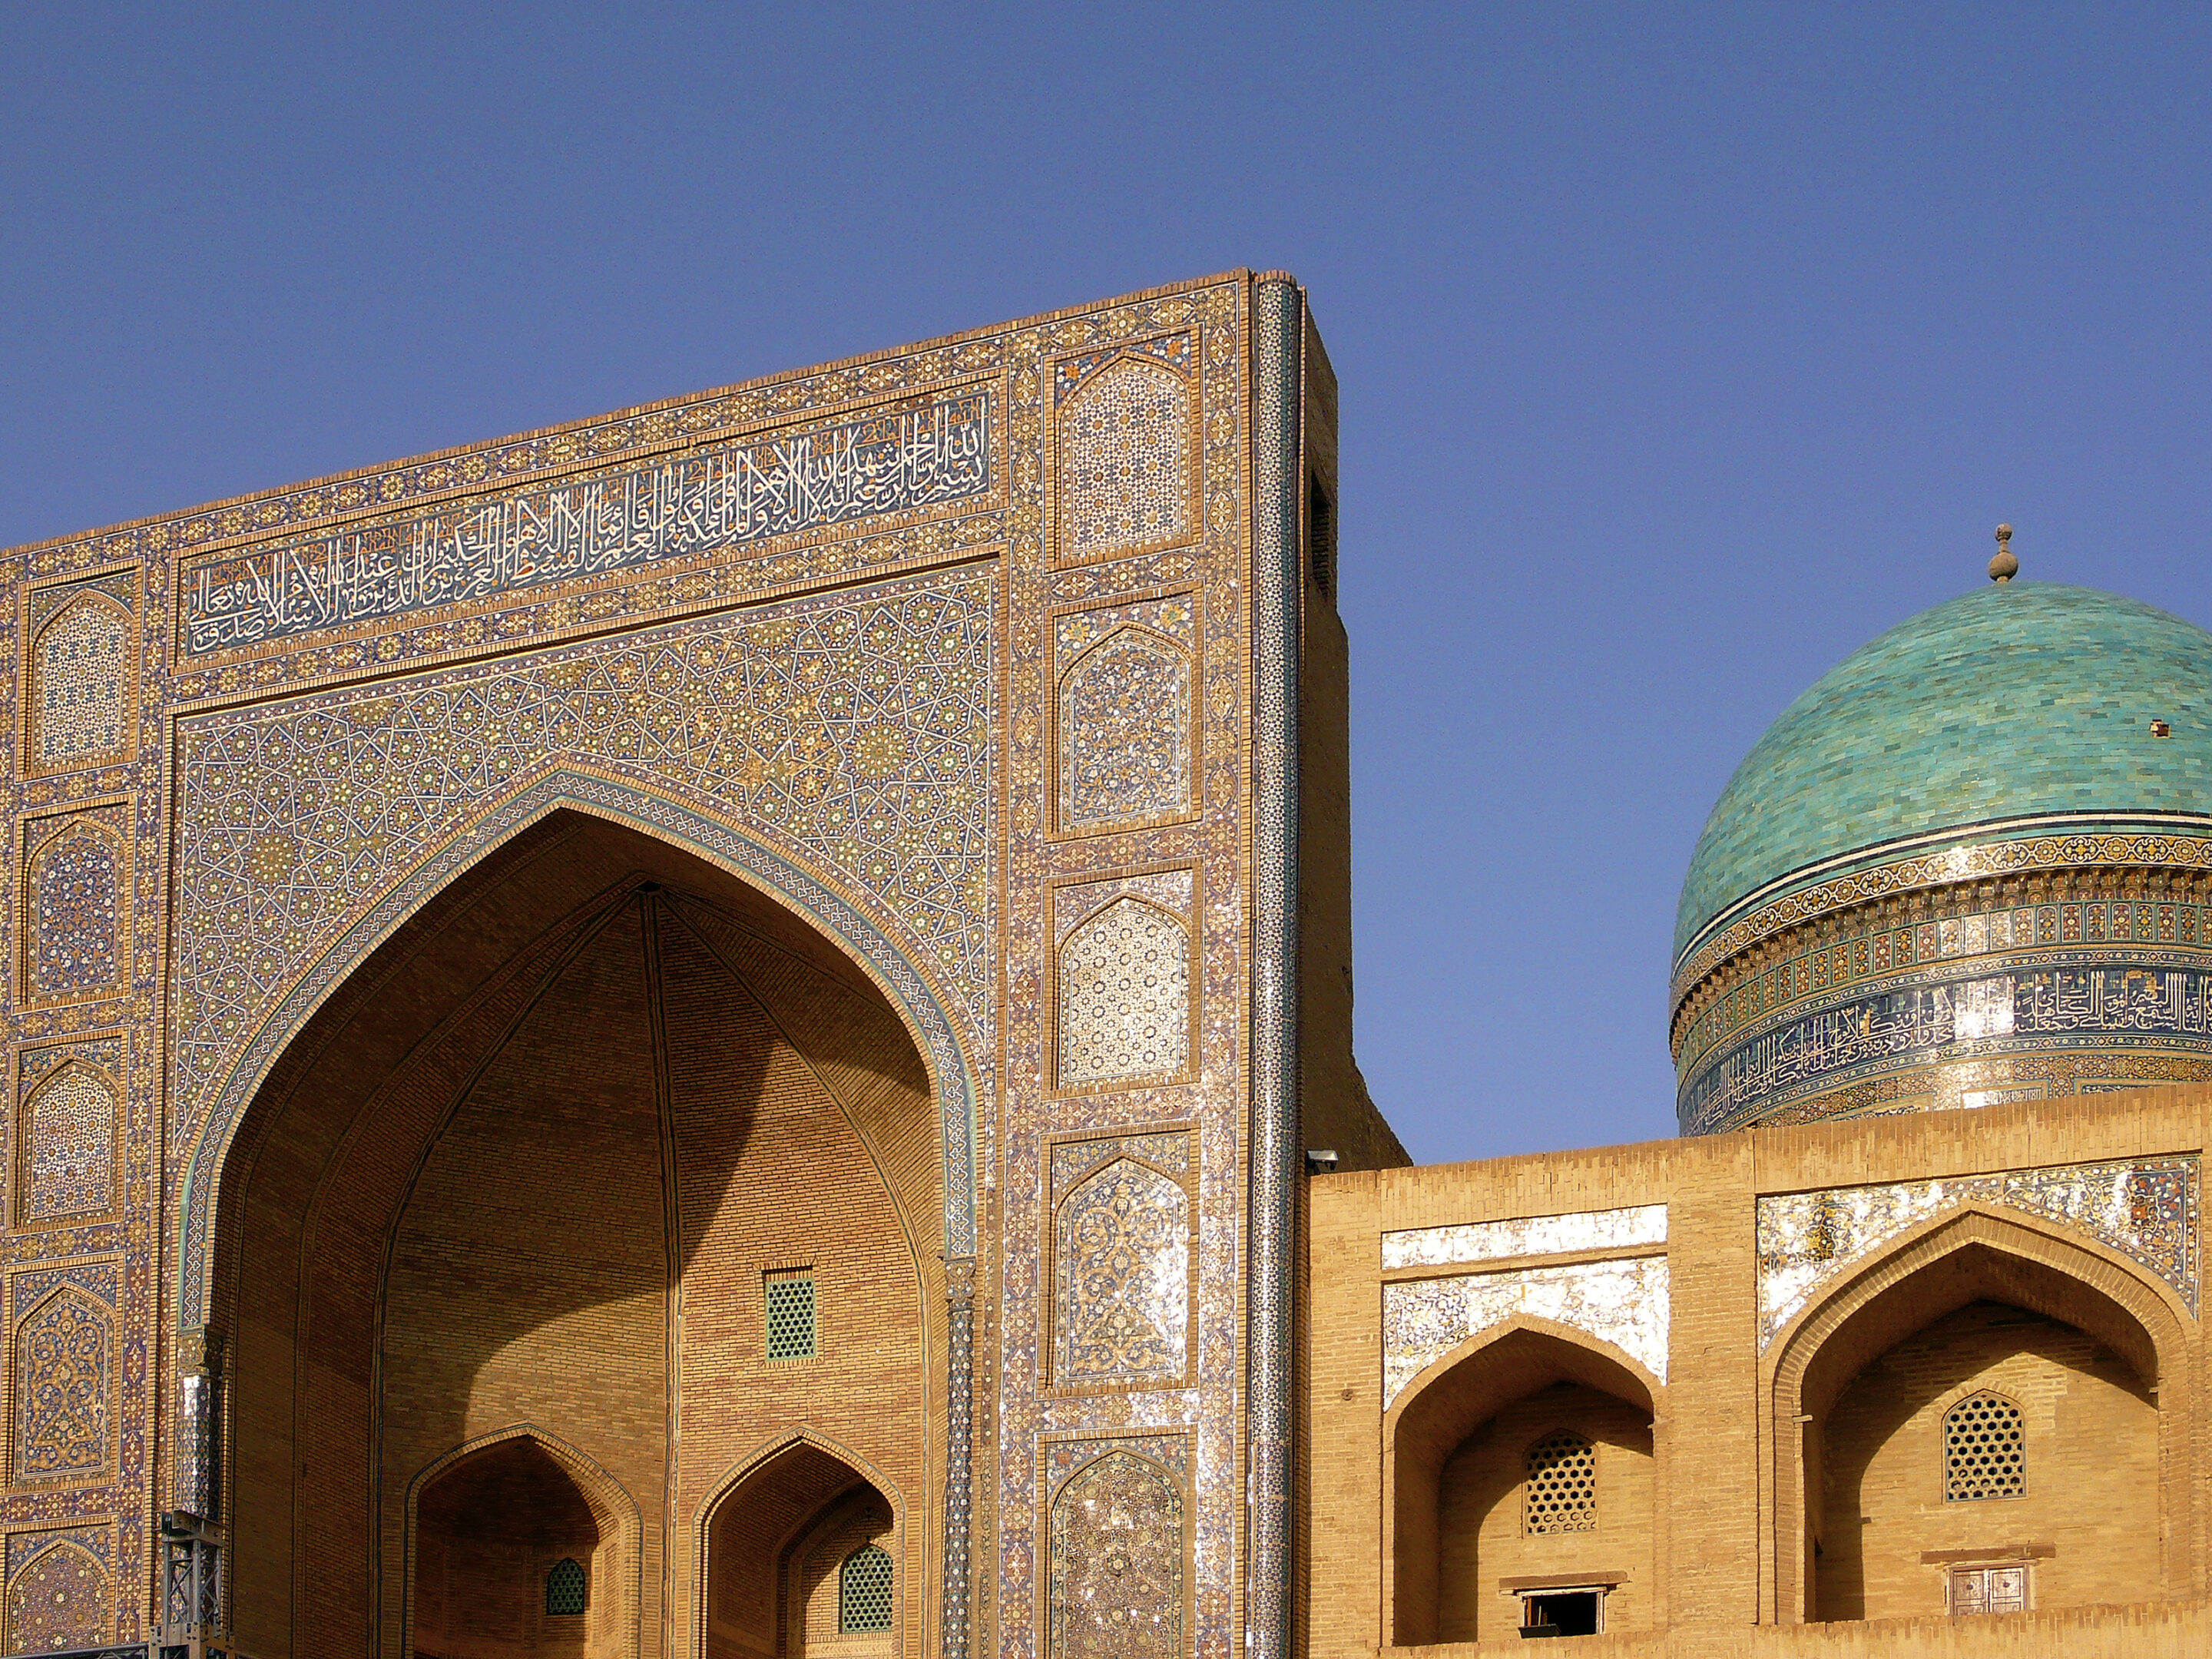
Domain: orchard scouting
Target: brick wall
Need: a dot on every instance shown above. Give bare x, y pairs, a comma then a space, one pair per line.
1848, 1396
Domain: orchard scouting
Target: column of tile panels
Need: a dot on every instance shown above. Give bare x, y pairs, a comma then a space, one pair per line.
1122, 1201
81, 969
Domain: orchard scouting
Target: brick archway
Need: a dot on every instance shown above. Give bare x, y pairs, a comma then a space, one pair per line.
1975, 1253
567, 1097
1449, 1402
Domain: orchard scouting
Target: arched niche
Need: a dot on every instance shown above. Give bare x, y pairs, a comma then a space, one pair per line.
774, 1542
594, 1078
1982, 1298
1456, 1445
494, 1527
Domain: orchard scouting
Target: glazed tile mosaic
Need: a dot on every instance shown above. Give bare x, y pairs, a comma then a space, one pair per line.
2145, 1209
717, 499
1623, 1303
1119, 1549
1122, 1262
1125, 713
1122, 978
1542, 1235
58, 1594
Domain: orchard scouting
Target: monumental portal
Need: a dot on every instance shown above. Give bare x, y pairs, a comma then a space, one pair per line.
725, 1032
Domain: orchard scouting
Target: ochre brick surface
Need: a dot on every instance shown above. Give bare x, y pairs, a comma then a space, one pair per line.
536, 1186
1846, 1401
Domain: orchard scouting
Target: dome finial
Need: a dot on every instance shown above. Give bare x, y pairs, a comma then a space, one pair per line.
2006, 565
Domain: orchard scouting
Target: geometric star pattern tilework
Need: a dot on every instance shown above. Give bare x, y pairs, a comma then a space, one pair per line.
1124, 981
66, 1161
81, 680
856, 728
58, 1590
1123, 435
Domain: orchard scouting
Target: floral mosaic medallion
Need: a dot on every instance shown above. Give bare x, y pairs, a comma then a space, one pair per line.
2146, 1209
1623, 1303
59, 1595
1121, 1307
64, 1360
1117, 1562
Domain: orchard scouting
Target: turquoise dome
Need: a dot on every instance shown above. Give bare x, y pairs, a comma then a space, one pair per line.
2019, 699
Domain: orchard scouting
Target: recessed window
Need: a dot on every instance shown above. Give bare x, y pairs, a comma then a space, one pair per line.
790, 1316
864, 1591
568, 1587
1989, 1589
1563, 1613
1985, 1451
1561, 1490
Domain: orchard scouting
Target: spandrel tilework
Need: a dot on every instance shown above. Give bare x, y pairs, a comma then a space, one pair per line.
1542, 1235
2146, 1209
81, 677
58, 1594
1623, 1303
1121, 1277
854, 729
1119, 1550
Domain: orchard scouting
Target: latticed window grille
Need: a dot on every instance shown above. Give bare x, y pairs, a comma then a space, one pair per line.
567, 1587
791, 1317
1561, 1492
1984, 1449
864, 1591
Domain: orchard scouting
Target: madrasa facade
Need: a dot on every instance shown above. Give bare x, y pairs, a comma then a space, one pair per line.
724, 1032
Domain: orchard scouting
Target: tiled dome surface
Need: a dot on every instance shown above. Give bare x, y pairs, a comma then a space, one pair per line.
2017, 699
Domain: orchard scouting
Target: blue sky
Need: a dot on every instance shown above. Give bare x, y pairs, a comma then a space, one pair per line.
1683, 349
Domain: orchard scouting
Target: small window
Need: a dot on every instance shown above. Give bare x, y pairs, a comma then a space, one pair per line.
1989, 1589
864, 1591
1561, 1494
567, 1587
1563, 1613
791, 1315
1985, 1451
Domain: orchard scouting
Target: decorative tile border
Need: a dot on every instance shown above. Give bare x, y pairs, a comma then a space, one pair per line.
1624, 1303
1543, 1235
2146, 1209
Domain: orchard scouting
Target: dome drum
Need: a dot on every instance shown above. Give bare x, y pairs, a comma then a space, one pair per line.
2053, 939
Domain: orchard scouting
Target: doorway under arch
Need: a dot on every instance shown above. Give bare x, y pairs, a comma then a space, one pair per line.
806, 1558
565, 1151
1521, 1466
1977, 1412
520, 1548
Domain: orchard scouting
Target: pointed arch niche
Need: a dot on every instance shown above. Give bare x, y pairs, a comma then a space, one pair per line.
1871, 1522
406, 1262
803, 1554
492, 1522
83, 704
1473, 1446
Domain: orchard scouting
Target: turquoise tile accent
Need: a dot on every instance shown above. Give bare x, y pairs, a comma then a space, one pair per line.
2019, 698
